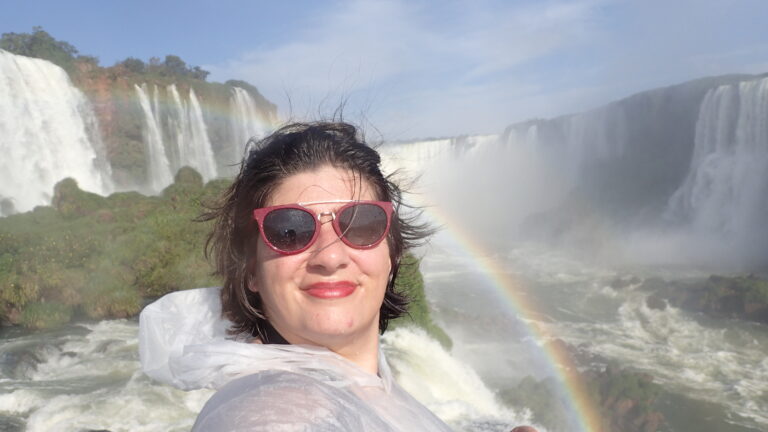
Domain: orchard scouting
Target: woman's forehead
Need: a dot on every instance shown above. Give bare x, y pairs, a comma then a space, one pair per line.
326, 183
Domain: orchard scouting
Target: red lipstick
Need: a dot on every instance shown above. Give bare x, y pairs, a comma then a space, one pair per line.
331, 290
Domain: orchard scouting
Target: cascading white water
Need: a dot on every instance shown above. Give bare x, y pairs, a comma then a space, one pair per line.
199, 153
158, 167
725, 193
190, 134
247, 122
421, 366
47, 133
174, 137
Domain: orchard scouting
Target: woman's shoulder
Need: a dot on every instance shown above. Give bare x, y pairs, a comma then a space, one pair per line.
284, 400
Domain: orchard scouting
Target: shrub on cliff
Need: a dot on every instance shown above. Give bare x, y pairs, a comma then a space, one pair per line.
71, 201
40, 44
99, 256
410, 281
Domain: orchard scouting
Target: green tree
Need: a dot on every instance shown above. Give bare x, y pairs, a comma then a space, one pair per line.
198, 73
42, 45
134, 65
175, 66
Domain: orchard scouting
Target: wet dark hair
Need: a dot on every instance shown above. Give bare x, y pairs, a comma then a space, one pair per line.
293, 149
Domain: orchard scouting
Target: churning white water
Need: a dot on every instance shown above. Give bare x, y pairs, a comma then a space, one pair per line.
47, 132
87, 377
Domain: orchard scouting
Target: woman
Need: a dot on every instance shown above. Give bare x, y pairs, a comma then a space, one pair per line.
308, 241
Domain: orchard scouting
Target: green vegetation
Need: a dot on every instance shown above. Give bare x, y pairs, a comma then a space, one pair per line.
627, 400
410, 281
751, 288
171, 66
40, 44
99, 257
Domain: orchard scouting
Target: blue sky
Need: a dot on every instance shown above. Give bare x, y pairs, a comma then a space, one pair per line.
414, 68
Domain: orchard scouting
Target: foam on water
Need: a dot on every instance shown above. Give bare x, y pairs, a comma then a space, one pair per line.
450, 388
91, 380
21, 402
707, 360
89, 377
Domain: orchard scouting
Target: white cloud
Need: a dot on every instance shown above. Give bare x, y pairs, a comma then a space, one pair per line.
417, 67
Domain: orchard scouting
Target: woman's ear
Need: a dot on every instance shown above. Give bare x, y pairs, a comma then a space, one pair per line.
252, 285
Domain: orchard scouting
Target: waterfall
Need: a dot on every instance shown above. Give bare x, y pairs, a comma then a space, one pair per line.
247, 122
200, 154
175, 136
158, 167
608, 182
190, 134
725, 193
47, 132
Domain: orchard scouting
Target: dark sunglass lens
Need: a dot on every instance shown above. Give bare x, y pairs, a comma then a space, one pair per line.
289, 229
363, 224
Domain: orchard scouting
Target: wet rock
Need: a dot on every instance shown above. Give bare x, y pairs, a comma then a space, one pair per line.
740, 297
11, 424
19, 364
655, 302
624, 282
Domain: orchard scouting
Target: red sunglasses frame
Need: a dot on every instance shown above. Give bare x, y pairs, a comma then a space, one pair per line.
260, 214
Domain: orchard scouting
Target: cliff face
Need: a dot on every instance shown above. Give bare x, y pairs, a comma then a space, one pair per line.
686, 163
631, 155
122, 124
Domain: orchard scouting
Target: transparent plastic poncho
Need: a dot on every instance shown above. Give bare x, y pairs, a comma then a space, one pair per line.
183, 342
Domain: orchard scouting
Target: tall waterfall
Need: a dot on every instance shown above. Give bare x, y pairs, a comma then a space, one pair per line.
247, 122
158, 167
47, 132
193, 146
725, 193
175, 135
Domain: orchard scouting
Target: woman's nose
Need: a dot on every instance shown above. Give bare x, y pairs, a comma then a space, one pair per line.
329, 253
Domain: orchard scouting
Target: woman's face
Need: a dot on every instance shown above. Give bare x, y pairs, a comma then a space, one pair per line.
330, 294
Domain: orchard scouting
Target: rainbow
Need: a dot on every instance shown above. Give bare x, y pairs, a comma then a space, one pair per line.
582, 408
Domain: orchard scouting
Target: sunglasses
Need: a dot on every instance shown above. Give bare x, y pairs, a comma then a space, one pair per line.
292, 228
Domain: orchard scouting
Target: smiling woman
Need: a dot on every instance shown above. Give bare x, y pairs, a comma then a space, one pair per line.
308, 240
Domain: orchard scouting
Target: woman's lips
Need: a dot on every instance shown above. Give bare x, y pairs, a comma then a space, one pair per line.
331, 290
